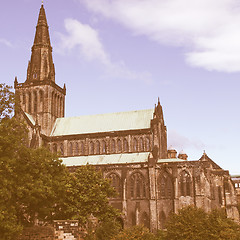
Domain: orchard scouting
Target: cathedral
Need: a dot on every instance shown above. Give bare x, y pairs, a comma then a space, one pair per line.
130, 148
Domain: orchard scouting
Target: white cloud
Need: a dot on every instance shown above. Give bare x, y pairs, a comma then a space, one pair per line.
180, 142
87, 40
207, 29
5, 42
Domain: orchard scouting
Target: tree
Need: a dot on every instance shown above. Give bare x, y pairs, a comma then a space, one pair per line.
36, 186
6, 101
195, 224
135, 233
31, 180
87, 197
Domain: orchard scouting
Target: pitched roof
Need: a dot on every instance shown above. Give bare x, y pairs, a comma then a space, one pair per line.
103, 123
106, 159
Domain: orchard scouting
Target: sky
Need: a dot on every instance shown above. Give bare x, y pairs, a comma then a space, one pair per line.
121, 55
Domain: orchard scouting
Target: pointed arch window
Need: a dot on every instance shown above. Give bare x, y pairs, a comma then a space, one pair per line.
29, 102
24, 98
141, 146
137, 186
70, 149
91, 148
35, 102
82, 149
53, 104
76, 148
185, 184
62, 149
135, 143
147, 144
220, 195
119, 144
165, 186
125, 145
113, 146
97, 147
104, 147
116, 183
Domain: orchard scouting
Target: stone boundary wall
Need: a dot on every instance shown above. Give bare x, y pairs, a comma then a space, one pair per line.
59, 230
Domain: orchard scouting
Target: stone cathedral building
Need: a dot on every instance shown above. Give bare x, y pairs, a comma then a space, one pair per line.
129, 147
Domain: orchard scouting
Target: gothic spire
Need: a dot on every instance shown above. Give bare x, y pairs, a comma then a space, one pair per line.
41, 67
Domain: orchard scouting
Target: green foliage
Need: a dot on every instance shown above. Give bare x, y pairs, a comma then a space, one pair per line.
6, 101
87, 196
195, 224
104, 230
35, 185
135, 233
31, 180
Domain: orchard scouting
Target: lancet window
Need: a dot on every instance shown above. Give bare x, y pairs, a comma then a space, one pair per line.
62, 149
119, 144
185, 184
147, 144
125, 145
135, 143
76, 148
104, 147
82, 149
70, 149
91, 148
113, 146
97, 147
141, 146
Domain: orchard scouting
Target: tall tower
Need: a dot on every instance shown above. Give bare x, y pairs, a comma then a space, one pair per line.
39, 95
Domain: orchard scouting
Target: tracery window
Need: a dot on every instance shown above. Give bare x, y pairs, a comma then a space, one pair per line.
165, 186
70, 149
91, 148
104, 147
135, 143
141, 147
125, 145
97, 147
116, 183
137, 186
119, 144
113, 146
185, 184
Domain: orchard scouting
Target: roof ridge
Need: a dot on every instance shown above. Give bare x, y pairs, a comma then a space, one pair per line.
99, 114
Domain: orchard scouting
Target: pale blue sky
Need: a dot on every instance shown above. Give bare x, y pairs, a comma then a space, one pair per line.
119, 55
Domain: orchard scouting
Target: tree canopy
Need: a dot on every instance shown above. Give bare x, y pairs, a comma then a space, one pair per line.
36, 186
195, 224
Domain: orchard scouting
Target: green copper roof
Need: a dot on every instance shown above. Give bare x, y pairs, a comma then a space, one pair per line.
106, 159
103, 123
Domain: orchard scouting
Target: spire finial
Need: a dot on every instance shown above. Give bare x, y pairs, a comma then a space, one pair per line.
158, 101
42, 2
